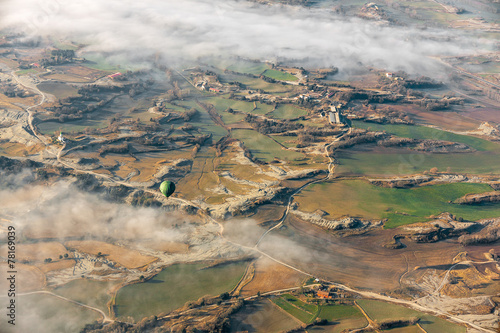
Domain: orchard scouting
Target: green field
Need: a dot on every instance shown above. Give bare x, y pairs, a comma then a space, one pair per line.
287, 111
222, 104
423, 132
248, 67
399, 206
337, 312
279, 75
264, 148
203, 121
340, 317
389, 162
296, 312
89, 292
49, 127
261, 317
298, 303
47, 314
174, 286
27, 71
100, 62
257, 83
287, 141
59, 90
379, 311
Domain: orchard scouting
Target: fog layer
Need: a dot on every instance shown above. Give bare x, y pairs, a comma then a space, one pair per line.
190, 29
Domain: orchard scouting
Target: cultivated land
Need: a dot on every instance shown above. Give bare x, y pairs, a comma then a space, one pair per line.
175, 286
270, 193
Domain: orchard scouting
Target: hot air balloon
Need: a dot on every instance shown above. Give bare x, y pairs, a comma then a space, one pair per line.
167, 188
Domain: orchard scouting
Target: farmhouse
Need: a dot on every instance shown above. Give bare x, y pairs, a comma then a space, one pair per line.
323, 294
334, 116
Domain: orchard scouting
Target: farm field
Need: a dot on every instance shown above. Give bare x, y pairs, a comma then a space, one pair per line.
271, 276
128, 258
257, 83
293, 308
262, 317
287, 111
422, 132
248, 67
340, 317
50, 315
263, 147
379, 311
89, 292
362, 199
174, 286
59, 90
279, 75
392, 162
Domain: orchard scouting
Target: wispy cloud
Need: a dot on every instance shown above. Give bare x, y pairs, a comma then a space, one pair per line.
187, 30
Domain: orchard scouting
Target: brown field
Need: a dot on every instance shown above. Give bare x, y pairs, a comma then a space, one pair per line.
14, 102
41, 230
37, 251
473, 281
18, 149
77, 74
271, 276
169, 247
451, 121
201, 179
67, 78
83, 71
147, 167
9, 62
128, 258
28, 278
268, 213
56, 265
357, 261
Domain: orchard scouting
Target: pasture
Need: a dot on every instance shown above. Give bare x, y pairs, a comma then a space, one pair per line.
264, 148
379, 311
400, 206
174, 286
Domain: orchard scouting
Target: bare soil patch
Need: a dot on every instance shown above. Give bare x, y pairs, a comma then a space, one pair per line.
128, 258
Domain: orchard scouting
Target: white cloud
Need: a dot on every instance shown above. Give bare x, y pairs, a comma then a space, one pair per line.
186, 30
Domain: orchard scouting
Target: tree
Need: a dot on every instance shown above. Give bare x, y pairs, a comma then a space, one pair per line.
47, 260
65, 255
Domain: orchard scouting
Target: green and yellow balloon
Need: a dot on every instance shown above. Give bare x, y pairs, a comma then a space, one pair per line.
167, 188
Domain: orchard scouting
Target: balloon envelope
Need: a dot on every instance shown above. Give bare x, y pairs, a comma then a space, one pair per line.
167, 188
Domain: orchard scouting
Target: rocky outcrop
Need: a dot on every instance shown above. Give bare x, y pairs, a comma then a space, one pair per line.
435, 146
489, 234
405, 182
344, 223
480, 198
443, 227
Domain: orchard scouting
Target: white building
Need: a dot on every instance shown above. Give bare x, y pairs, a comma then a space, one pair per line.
60, 138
